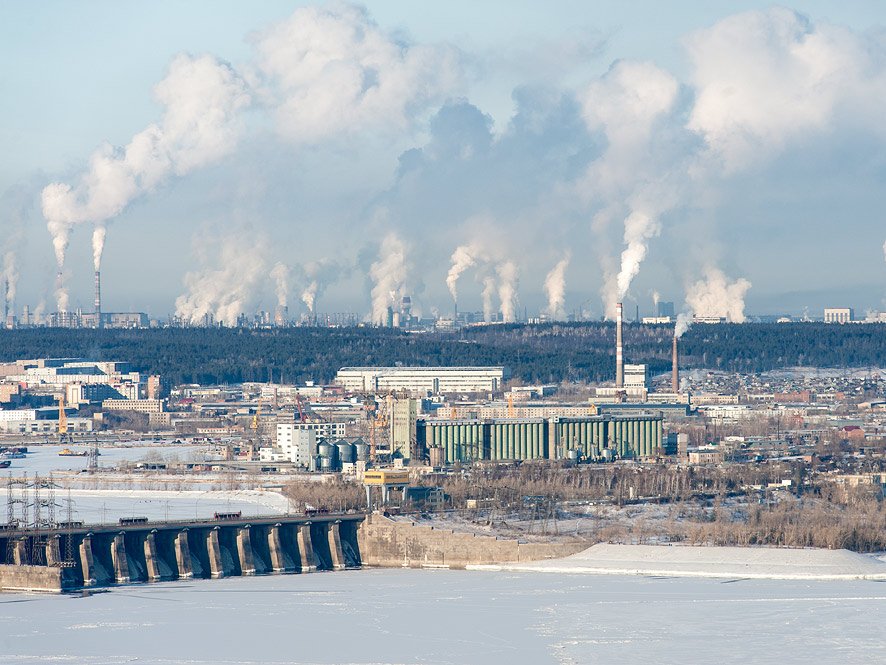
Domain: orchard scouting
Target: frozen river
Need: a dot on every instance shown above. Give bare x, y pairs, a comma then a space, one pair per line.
424, 616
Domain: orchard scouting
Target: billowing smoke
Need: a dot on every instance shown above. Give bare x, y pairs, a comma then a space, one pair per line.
507, 290
639, 229
627, 104
684, 320
716, 296
488, 294
202, 98
464, 257
320, 274
555, 288
280, 275
224, 284
330, 71
10, 278
62, 300
98, 245
388, 274
656, 298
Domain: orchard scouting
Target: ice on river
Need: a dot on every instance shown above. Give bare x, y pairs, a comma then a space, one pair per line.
423, 616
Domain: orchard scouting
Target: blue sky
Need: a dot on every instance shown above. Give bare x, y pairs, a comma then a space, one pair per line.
500, 131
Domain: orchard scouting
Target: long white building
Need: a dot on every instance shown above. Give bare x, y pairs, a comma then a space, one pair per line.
433, 380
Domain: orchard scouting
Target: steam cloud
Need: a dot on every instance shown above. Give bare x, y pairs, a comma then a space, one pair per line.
715, 295
280, 275
10, 278
222, 287
555, 288
488, 294
464, 257
202, 98
98, 246
320, 274
507, 290
388, 275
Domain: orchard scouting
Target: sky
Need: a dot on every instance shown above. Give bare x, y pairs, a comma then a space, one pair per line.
227, 157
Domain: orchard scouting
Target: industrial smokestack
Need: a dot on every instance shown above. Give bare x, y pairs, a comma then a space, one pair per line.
619, 349
98, 299
675, 373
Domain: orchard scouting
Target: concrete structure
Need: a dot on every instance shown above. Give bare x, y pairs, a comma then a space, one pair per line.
619, 349
591, 437
386, 543
838, 315
403, 417
105, 555
422, 380
295, 444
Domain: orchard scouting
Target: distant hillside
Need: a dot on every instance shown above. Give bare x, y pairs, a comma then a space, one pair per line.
549, 352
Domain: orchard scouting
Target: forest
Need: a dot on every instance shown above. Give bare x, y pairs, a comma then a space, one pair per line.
535, 353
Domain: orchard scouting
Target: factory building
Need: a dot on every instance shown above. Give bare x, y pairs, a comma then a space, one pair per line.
422, 380
293, 445
591, 437
838, 315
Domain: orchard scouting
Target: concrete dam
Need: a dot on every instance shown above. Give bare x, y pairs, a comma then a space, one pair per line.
71, 557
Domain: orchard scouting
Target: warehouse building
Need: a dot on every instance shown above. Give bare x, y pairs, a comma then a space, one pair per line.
590, 437
422, 380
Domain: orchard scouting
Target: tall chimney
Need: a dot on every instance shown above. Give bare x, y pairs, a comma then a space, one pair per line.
619, 349
675, 373
98, 299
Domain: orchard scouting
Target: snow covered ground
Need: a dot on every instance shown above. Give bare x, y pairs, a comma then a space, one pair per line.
44, 459
728, 562
422, 616
94, 506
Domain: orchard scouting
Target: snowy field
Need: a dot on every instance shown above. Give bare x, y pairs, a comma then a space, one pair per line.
720, 562
449, 617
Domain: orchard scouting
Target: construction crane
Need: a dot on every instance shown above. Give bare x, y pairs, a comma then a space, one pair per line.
300, 408
510, 405
378, 423
63, 435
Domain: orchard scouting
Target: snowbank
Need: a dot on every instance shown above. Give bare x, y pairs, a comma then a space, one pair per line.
689, 561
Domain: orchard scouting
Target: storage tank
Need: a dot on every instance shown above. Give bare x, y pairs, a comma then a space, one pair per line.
327, 464
362, 452
572, 455
328, 450
347, 452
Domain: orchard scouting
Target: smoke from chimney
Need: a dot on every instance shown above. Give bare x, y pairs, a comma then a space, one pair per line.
675, 372
619, 349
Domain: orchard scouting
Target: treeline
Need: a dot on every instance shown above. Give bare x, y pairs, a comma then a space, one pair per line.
535, 353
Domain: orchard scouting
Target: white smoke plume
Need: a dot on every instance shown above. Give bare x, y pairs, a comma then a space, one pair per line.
230, 270
639, 229
684, 320
202, 99
884, 249
656, 298
555, 288
507, 290
10, 278
319, 274
388, 274
716, 296
98, 245
463, 258
488, 294
62, 301
329, 71
280, 275
626, 104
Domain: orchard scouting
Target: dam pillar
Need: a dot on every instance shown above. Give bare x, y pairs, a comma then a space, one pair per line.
20, 552
118, 556
244, 549
213, 548
183, 555
275, 547
151, 558
87, 562
306, 549
335, 551
53, 551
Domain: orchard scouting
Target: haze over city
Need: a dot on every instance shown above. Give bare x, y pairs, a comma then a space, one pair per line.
219, 158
